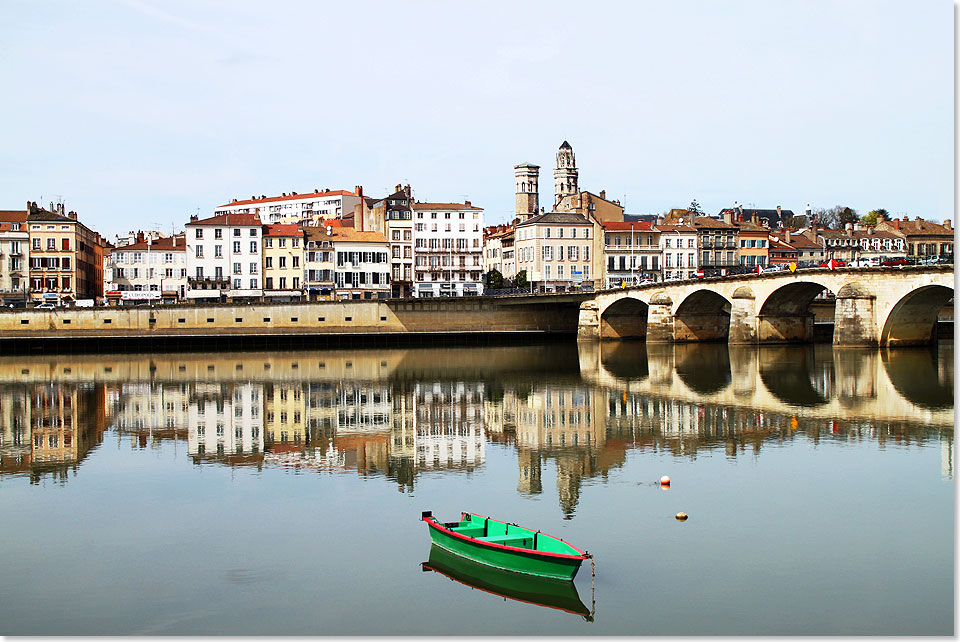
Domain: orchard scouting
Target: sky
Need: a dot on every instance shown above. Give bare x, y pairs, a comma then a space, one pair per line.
139, 113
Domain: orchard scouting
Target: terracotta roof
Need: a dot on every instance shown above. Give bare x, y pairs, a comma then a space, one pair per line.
615, 226
44, 215
282, 229
712, 223
747, 226
797, 241
162, 244
348, 234
13, 216
445, 206
229, 219
566, 218
917, 227
290, 197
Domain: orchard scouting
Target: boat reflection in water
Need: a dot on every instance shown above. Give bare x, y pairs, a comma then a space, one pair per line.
554, 594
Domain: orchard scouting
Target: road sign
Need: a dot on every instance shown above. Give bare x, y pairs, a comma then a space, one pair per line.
793, 267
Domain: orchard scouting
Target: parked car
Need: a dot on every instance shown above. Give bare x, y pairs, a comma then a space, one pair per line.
870, 262
46, 306
834, 263
894, 262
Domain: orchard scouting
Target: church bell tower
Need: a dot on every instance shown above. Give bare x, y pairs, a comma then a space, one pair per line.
528, 190
565, 175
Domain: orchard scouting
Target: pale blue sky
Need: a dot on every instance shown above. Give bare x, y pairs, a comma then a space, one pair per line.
138, 112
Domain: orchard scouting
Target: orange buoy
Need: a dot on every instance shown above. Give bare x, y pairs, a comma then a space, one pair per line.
681, 517
664, 481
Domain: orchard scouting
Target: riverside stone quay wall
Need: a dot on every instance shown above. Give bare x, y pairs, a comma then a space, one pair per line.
327, 318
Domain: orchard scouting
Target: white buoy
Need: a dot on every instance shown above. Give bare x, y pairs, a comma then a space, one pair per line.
664, 481
681, 517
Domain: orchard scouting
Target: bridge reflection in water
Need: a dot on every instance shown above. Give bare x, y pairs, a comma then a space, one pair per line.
397, 413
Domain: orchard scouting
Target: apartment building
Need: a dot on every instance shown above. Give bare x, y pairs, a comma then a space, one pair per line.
149, 270
554, 249
319, 263
631, 253
66, 257
14, 257
394, 217
448, 249
678, 245
310, 208
224, 257
283, 263
717, 242
362, 268
754, 244
498, 250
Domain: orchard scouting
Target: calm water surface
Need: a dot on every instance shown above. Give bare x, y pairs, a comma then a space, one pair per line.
279, 493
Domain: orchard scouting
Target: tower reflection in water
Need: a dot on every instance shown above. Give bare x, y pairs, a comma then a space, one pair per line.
397, 413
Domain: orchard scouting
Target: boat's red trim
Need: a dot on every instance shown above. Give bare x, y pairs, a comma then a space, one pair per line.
433, 523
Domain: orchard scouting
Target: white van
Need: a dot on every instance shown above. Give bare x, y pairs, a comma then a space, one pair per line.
870, 262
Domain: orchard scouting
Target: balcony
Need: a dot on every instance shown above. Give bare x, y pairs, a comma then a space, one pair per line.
718, 263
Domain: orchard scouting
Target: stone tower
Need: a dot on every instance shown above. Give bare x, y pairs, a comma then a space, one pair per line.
528, 190
565, 175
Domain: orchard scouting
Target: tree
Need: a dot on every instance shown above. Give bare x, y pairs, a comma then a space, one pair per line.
494, 279
520, 281
836, 217
694, 208
870, 218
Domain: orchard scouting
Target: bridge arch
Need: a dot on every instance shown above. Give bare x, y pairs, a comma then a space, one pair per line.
703, 368
703, 315
624, 318
784, 315
913, 319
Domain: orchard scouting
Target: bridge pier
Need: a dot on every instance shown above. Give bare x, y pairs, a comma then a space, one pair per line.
660, 319
743, 317
855, 319
588, 323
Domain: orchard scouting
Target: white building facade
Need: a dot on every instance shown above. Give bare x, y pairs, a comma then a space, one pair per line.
678, 244
448, 249
294, 207
148, 271
224, 257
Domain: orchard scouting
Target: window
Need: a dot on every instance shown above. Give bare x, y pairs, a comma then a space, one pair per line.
254, 247
65, 245
236, 247
268, 283
236, 284
36, 244
199, 251
253, 284
268, 262
199, 233
236, 269
51, 244
218, 251
282, 262
253, 268
253, 232
236, 231
217, 233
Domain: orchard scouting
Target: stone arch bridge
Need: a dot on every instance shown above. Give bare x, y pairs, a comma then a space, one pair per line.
874, 306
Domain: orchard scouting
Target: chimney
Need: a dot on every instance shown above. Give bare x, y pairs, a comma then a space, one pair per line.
869, 229
948, 224
467, 203
399, 187
194, 217
728, 217
779, 212
754, 219
739, 218
786, 235
896, 224
603, 194
881, 218
72, 215
406, 190
857, 227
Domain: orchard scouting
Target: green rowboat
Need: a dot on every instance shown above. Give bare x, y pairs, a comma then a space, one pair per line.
506, 546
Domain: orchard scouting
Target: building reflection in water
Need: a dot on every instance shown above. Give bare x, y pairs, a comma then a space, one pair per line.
573, 409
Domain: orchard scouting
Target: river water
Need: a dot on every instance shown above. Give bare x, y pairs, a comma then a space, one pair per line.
280, 492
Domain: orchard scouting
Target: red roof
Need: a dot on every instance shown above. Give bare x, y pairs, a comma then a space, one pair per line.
229, 219
290, 197
615, 226
282, 229
13, 216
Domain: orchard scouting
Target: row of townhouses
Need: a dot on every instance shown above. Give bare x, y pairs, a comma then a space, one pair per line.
340, 244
